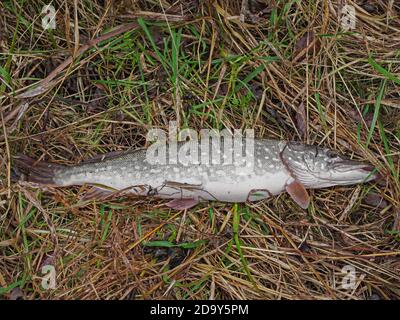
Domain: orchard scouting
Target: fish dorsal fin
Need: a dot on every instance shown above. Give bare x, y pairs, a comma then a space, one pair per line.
298, 193
103, 157
110, 155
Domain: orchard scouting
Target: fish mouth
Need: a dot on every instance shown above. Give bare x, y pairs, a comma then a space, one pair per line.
350, 170
351, 165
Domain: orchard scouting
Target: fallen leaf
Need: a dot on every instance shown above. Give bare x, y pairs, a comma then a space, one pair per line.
16, 294
357, 117
396, 225
375, 200
301, 122
308, 44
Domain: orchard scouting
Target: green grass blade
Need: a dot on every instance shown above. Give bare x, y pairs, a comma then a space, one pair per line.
383, 71
376, 111
236, 222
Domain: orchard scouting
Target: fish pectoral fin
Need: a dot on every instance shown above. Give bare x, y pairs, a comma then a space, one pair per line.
182, 204
298, 193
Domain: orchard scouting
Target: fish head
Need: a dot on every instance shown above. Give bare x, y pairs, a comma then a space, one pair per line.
317, 167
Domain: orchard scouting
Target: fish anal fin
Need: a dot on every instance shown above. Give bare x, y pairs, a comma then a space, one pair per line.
298, 193
96, 193
182, 204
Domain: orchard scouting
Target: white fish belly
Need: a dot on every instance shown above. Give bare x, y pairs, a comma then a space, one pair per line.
225, 189
253, 188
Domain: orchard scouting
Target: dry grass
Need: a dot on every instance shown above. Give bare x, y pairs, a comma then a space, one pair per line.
203, 64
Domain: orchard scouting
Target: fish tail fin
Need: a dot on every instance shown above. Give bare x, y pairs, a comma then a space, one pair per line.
31, 170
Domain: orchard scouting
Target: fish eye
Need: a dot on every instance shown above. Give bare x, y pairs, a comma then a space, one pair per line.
331, 154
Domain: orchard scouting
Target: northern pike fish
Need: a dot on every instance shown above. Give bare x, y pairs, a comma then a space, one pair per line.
276, 166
